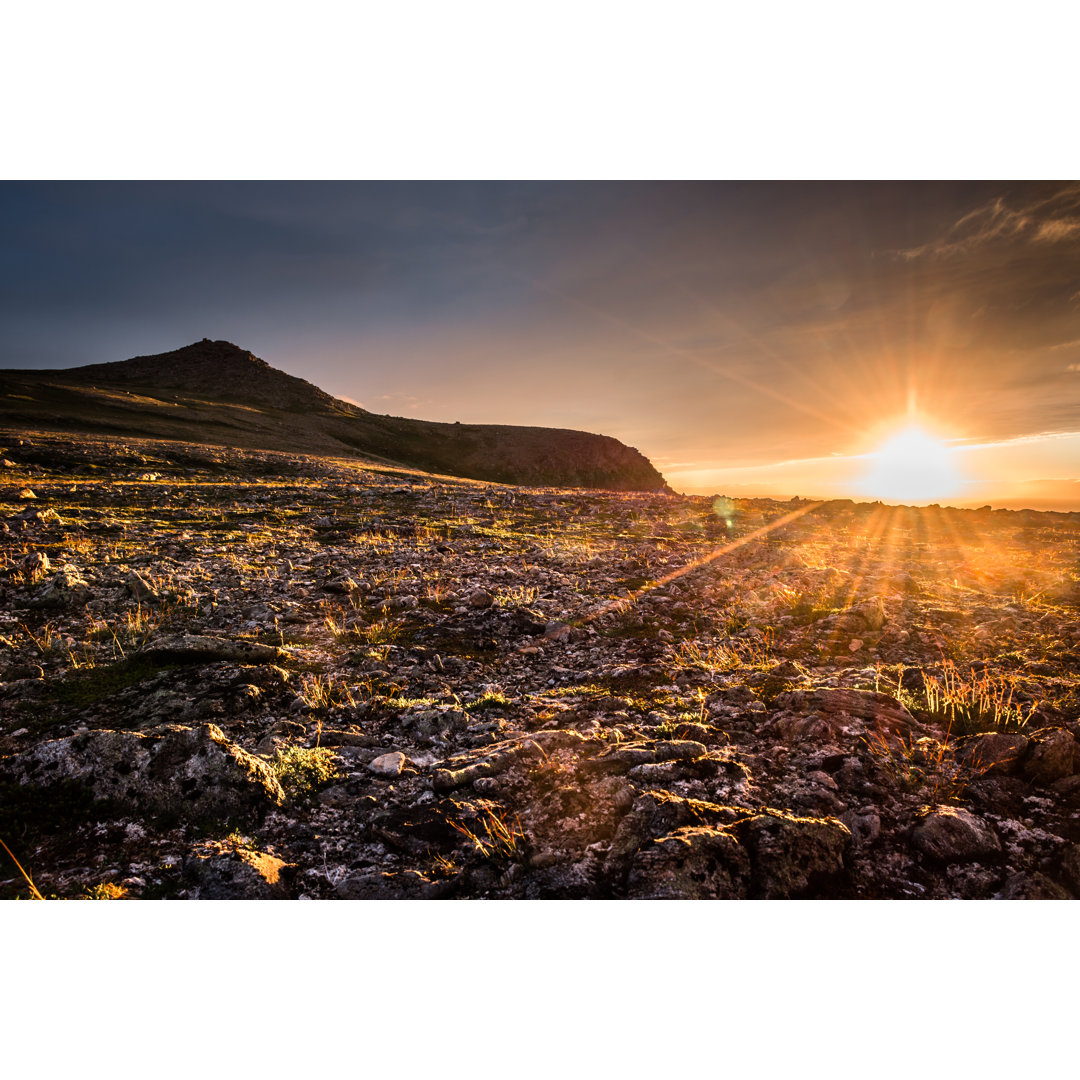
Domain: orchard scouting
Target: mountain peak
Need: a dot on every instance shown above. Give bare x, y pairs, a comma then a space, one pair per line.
206, 351
213, 369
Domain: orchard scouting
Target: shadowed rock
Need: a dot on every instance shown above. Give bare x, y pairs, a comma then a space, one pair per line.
189, 774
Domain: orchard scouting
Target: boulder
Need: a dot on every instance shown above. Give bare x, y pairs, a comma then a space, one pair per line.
1034, 886
949, 834
693, 863
140, 589
793, 856
993, 752
388, 764
66, 588
243, 874
1051, 756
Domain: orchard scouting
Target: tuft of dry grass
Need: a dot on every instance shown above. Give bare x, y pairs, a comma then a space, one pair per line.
495, 837
712, 659
979, 702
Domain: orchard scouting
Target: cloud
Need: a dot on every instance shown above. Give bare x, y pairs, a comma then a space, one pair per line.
1051, 219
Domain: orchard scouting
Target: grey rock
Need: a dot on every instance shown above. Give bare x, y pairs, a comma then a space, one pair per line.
864, 825
871, 612
238, 875
1070, 867
794, 856
693, 863
1034, 886
66, 588
197, 648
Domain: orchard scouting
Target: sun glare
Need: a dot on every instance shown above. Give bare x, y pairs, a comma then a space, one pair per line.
912, 467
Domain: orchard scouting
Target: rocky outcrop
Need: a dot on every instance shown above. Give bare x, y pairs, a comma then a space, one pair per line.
177, 773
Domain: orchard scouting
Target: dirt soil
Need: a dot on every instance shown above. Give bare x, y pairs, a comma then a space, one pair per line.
254, 674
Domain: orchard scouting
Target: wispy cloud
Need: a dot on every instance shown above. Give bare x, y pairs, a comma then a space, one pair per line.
1049, 220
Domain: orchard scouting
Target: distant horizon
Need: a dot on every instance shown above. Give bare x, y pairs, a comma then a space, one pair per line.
776, 491
767, 337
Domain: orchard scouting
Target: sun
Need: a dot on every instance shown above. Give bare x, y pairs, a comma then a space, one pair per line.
912, 467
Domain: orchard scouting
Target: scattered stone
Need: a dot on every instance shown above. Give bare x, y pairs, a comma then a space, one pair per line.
140, 589
388, 764
570, 729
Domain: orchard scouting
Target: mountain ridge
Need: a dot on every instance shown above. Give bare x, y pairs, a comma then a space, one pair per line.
215, 391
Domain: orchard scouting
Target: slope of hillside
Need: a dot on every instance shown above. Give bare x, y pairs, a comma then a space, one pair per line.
215, 392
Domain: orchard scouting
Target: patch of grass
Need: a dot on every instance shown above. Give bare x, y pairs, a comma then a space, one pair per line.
733, 622
808, 606
712, 659
489, 699
383, 632
320, 693
517, 596
301, 772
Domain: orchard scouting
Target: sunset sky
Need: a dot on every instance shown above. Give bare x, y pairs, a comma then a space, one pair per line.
749, 338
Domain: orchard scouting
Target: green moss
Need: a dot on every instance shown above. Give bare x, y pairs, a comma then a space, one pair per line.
301, 772
490, 699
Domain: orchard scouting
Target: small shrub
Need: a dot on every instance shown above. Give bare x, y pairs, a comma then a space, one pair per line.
301, 772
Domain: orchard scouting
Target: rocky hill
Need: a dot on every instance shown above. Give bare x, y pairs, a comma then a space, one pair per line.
248, 674
216, 393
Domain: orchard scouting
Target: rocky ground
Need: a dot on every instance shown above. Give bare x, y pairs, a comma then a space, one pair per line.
253, 674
